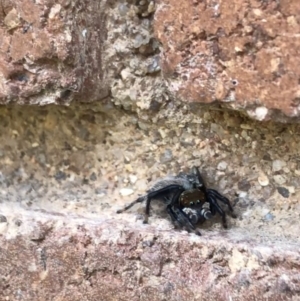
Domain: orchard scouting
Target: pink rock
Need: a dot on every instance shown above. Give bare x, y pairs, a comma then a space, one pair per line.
242, 56
110, 259
51, 53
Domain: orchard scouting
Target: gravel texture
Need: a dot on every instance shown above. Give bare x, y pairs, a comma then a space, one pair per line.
92, 161
65, 171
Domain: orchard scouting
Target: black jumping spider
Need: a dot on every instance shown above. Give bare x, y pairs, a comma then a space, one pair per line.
186, 190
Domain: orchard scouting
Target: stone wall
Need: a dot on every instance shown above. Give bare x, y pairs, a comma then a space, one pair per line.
242, 56
149, 67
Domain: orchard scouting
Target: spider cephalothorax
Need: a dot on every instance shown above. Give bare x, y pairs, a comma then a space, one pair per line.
184, 191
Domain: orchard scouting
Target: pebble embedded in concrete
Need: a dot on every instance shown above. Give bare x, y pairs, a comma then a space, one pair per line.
277, 165
222, 165
132, 179
126, 191
3, 219
279, 179
167, 156
269, 217
283, 191
263, 180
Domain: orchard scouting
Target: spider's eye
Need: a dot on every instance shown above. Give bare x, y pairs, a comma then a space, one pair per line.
191, 203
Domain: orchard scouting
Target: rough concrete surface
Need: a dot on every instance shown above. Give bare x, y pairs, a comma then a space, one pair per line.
132, 58
51, 51
63, 172
243, 54
62, 257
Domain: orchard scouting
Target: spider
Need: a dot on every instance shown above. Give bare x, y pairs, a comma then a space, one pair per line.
186, 190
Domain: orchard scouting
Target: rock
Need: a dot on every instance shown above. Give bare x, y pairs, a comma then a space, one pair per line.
264, 211
242, 202
283, 191
284, 284
260, 113
277, 165
240, 88
93, 176
126, 191
132, 179
3, 219
267, 157
222, 165
12, 20
42, 45
279, 179
138, 255
269, 217
291, 189
167, 156
244, 185
246, 126
123, 9
100, 192
263, 180
243, 194
60, 175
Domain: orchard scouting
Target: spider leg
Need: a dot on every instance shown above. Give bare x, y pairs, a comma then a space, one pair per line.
214, 206
175, 197
222, 198
204, 213
178, 215
138, 200
200, 178
147, 210
186, 221
199, 216
148, 197
170, 207
159, 194
174, 217
175, 204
